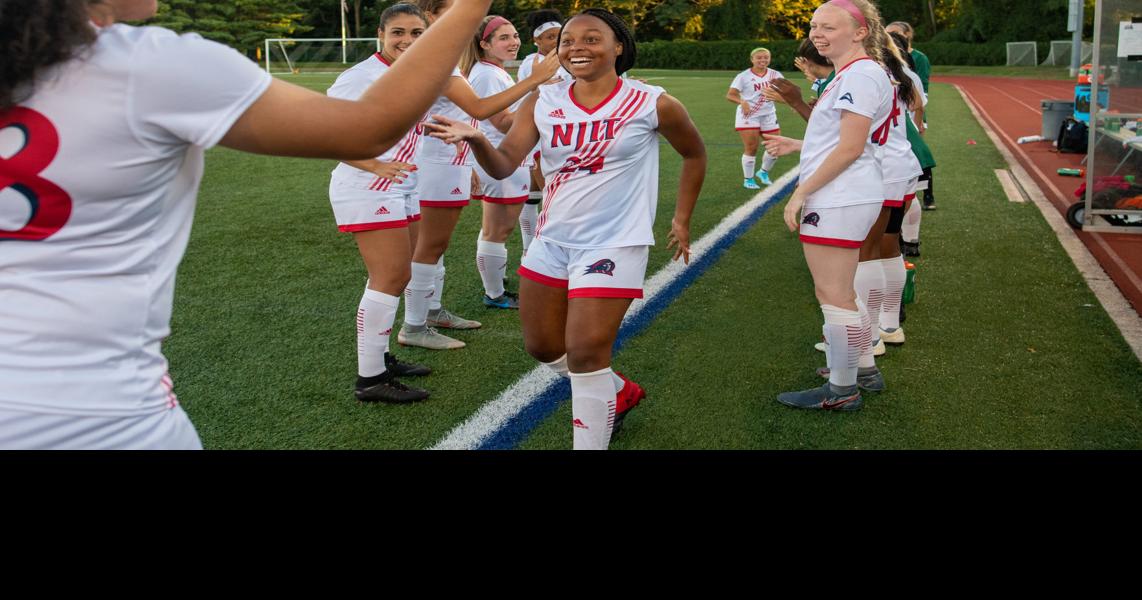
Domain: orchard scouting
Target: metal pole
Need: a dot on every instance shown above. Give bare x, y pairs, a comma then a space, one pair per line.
1076, 21
267, 55
1092, 130
344, 35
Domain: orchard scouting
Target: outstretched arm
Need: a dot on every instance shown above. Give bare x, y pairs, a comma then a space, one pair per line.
465, 97
289, 120
498, 162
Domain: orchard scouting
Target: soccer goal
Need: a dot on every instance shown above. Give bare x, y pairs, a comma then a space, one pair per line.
1060, 54
1022, 54
285, 56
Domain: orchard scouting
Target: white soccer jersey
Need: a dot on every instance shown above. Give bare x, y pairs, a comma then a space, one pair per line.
351, 85
897, 161
108, 156
860, 87
488, 79
435, 151
528, 65
752, 86
601, 166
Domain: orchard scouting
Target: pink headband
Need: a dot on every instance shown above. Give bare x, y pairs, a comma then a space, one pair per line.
493, 25
850, 8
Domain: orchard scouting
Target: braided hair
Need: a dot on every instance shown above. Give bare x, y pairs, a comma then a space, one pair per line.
35, 36
624, 61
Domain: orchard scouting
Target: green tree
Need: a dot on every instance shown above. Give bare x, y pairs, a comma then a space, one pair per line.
241, 24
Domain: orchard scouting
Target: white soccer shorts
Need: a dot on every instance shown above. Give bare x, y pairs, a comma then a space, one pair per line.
594, 273
443, 186
844, 226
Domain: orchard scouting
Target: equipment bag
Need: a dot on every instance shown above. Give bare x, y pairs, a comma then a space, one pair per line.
1072, 136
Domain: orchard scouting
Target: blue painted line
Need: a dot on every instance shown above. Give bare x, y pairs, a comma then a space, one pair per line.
545, 404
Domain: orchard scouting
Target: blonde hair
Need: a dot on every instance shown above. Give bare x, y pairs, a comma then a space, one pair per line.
758, 51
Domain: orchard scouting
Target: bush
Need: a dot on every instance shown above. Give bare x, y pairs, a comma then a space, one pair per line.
733, 55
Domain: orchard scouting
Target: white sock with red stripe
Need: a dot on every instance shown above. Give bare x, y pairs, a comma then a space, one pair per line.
866, 360
869, 283
894, 275
593, 405
748, 162
434, 302
492, 262
767, 161
843, 332
418, 295
375, 316
910, 229
527, 218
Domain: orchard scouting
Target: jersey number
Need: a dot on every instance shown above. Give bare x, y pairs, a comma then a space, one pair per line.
592, 166
20, 171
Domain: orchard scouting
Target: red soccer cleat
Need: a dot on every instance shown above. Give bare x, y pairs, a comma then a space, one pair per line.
625, 400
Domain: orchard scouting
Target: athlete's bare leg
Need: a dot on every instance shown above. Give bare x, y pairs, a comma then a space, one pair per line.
833, 269
750, 141
386, 253
499, 220
543, 316
870, 248
592, 326
437, 225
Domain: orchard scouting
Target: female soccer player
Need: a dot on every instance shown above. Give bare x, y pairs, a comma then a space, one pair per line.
599, 136
841, 189
376, 201
755, 115
105, 130
502, 199
545, 24
444, 185
923, 69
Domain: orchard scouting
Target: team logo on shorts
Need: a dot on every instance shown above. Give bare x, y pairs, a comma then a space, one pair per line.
605, 266
848, 96
811, 219
382, 211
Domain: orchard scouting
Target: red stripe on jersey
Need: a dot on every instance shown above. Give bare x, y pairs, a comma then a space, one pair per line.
837, 78
602, 292
809, 239
408, 147
381, 58
372, 226
541, 278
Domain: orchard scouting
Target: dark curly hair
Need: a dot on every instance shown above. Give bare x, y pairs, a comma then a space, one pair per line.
36, 35
625, 61
536, 18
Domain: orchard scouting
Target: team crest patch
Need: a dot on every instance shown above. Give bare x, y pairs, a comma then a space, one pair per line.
605, 266
848, 96
811, 219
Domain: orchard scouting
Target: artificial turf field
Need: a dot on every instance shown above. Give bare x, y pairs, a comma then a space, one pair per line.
1007, 347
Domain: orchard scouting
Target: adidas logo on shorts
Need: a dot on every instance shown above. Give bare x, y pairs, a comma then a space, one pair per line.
456, 191
557, 114
382, 211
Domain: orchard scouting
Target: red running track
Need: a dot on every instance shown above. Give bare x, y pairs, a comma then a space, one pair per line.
1011, 108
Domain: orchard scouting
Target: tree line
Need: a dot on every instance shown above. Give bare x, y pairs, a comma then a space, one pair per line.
243, 24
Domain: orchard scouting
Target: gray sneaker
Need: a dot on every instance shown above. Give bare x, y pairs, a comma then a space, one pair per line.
872, 382
429, 338
822, 398
447, 320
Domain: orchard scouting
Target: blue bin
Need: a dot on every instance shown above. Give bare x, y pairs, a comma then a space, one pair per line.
1082, 101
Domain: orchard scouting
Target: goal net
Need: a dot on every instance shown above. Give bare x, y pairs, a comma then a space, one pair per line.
1022, 54
285, 56
1060, 54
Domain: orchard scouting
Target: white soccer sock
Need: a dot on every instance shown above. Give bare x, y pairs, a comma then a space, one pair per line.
910, 229
559, 366
869, 284
842, 330
375, 316
767, 161
593, 406
418, 294
748, 163
527, 218
894, 275
492, 262
438, 295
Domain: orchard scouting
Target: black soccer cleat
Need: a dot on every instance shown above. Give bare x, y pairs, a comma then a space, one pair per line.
389, 390
403, 369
